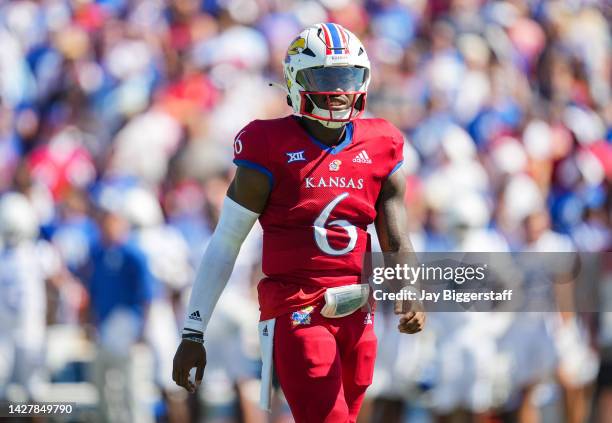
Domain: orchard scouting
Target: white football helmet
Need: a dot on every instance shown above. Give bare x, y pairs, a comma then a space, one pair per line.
142, 209
18, 220
327, 60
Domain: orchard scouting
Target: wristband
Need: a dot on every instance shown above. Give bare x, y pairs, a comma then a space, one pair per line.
193, 334
194, 338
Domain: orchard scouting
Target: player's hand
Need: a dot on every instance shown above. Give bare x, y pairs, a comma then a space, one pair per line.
412, 316
189, 354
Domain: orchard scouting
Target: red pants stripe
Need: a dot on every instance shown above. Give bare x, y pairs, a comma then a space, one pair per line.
324, 365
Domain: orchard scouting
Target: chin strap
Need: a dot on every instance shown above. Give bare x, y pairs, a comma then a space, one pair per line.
326, 123
316, 110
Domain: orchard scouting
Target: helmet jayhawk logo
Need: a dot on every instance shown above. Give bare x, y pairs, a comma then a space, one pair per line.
297, 46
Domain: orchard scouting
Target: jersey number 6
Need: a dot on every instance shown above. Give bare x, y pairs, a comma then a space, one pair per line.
320, 231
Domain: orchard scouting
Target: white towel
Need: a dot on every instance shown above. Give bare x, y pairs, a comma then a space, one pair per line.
266, 342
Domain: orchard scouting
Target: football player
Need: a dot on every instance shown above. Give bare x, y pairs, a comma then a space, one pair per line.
26, 265
315, 180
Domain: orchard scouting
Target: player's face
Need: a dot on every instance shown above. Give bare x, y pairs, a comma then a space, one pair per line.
341, 79
114, 227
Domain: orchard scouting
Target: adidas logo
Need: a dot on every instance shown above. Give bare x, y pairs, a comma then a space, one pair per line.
195, 316
362, 158
265, 331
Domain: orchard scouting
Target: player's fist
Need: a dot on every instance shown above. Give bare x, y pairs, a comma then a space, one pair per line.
189, 354
412, 316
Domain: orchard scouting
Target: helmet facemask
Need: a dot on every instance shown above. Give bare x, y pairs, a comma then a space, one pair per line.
325, 89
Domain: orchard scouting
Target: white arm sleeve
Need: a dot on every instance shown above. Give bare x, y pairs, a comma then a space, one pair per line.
217, 264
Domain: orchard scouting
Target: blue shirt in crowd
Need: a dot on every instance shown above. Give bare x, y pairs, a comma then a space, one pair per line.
119, 278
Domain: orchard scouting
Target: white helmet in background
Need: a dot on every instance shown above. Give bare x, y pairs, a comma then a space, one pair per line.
142, 209
326, 60
18, 220
469, 210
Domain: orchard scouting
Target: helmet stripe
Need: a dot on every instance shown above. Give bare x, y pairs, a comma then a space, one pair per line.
335, 36
344, 37
327, 37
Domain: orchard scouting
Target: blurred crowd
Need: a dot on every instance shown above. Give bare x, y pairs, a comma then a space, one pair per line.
116, 122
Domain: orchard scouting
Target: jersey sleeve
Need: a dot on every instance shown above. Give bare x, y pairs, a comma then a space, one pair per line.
397, 150
251, 150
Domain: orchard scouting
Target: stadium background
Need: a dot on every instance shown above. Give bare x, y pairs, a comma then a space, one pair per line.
116, 125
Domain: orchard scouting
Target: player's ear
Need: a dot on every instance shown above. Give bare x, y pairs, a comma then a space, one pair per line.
289, 101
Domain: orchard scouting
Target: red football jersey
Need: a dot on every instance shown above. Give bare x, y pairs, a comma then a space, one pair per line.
322, 199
